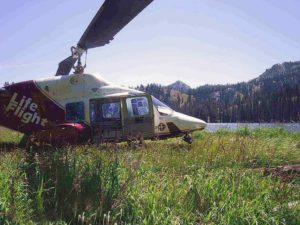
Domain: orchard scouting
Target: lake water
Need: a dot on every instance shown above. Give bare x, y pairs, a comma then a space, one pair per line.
295, 127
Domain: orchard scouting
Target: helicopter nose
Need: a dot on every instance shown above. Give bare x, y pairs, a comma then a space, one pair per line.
188, 123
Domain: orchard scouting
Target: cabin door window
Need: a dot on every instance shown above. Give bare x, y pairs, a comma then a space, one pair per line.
111, 111
75, 112
105, 111
137, 107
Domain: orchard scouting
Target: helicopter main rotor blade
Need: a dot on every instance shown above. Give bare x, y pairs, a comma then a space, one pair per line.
65, 66
109, 20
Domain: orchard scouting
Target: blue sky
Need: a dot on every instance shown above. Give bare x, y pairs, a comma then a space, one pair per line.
196, 41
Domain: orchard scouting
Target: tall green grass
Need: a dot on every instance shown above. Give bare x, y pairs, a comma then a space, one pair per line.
219, 179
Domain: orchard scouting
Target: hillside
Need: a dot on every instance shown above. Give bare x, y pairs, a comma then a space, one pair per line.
274, 96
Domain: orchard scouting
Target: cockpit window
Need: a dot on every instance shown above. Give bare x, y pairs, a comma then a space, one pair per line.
162, 108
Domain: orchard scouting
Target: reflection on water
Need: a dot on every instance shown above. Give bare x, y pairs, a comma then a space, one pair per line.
233, 126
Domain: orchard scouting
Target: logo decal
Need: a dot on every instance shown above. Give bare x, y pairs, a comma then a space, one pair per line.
25, 110
162, 127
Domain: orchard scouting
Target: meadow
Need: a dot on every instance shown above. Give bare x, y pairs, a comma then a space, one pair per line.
221, 178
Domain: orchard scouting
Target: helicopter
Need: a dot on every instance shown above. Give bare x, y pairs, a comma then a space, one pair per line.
80, 107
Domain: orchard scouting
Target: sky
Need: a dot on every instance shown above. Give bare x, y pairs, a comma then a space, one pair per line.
196, 41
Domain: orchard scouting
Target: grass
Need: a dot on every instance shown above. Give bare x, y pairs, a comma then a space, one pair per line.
8, 136
219, 179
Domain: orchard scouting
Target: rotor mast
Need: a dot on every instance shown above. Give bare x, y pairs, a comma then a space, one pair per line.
77, 52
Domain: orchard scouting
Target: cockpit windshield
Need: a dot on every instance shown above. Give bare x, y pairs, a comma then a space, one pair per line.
162, 108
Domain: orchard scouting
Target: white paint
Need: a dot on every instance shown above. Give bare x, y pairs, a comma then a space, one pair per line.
76, 87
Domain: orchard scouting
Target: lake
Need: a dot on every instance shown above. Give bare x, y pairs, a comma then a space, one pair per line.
295, 127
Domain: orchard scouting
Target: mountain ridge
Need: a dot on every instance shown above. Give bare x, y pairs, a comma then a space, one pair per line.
281, 69
274, 96
179, 86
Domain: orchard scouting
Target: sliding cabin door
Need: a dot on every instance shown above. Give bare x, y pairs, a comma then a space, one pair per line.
138, 116
106, 119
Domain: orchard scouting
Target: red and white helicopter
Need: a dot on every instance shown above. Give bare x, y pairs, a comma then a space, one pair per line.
81, 107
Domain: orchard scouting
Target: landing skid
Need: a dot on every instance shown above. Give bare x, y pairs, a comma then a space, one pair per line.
188, 138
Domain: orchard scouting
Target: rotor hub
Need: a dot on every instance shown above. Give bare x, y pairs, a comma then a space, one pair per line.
76, 54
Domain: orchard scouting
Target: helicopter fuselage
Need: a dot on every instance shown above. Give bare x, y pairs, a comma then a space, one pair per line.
92, 108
